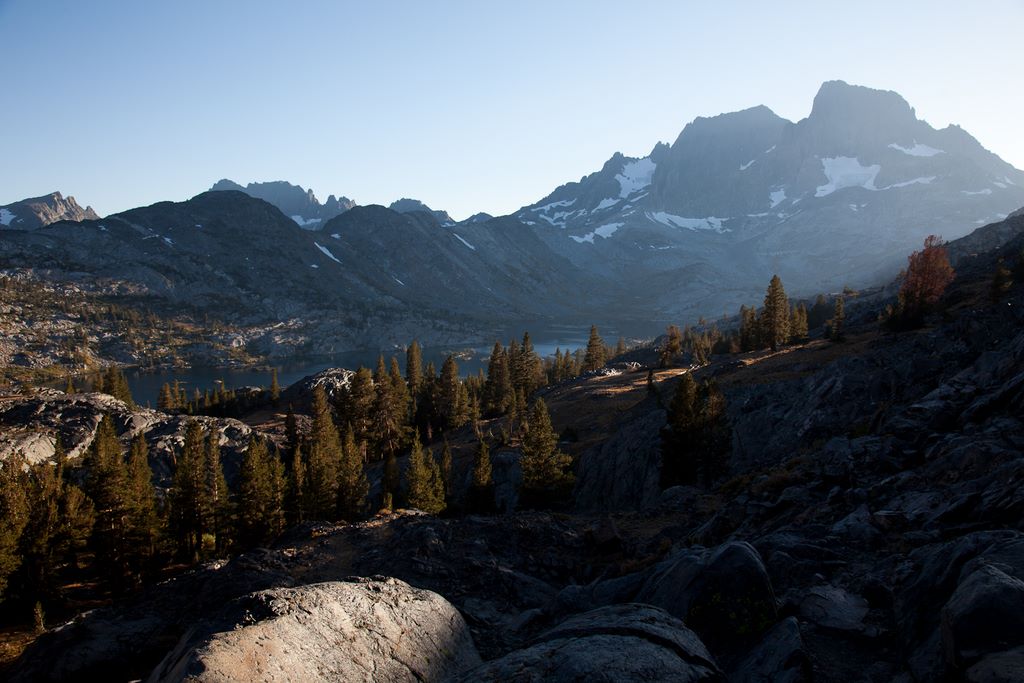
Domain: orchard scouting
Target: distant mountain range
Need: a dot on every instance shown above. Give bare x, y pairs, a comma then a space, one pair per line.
694, 228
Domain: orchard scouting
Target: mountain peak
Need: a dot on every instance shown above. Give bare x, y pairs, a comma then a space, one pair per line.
36, 212
840, 100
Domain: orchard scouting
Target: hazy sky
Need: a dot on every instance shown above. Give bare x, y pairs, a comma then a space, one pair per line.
470, 106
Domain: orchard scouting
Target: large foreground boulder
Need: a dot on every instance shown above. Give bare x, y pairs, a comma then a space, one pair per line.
363, 630
628, 642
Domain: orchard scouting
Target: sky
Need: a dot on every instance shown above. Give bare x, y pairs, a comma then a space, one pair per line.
468, 106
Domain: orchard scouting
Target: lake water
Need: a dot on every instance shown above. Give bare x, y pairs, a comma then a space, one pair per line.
145, 386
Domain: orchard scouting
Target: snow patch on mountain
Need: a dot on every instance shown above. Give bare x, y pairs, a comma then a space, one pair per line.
464, 242
673, 221
326, 252
635, 176
605, 231
987, 190
777, 197
744, 167
843, 172
6, 217
605, 203
918, 150
304, 223
547, 207
916, 181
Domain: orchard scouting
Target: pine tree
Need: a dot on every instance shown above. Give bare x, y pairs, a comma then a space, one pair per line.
453, 401
527, 374
775, 314
482, 488
391, 481
323, 457
189, 505
673, 346
546, 470
1002, 280
352, 484
446, 468
107, 485
14, 515
117, 386
426, 490
69, 388
221, 508
498, 387
594, 360
144, 521
275, 388
414, 369
838, 321
361, 398
291, 430
798, 324
296, 487
620, 347
165, 400
260, 495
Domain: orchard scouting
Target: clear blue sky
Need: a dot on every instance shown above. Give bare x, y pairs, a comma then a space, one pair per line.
467, 105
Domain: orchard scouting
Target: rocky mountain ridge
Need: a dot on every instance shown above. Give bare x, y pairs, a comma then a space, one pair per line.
29, 214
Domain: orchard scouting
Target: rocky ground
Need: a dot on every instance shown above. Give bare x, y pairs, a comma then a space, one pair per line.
870, 530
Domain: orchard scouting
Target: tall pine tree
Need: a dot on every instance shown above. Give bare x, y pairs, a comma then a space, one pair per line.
426, 490
775, 314
546, 470
323, 456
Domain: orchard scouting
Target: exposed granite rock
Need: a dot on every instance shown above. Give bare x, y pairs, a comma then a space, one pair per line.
618, 643
365, 630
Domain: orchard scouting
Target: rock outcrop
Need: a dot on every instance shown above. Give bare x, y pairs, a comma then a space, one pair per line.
618, 643
364, 630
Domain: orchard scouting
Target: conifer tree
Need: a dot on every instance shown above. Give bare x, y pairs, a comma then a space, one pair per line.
165, 400
107, 485
69, 388
291, 430
295, 496
482, 487
446, 468
1002, 280
527, 372
594, 360
453, 401
775, 315
546, 470
218, 495
673, 346
144, 520
414, 369
77, 515
391, 482
352, 484
620, 347
116, 384
260, 495
498, 387
426, 490
838, 321
323, 456
798, 323
189, 505
361, 398
14, 515
275, 388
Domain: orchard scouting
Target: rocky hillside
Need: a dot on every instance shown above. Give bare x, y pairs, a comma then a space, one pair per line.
29, 214
869, 529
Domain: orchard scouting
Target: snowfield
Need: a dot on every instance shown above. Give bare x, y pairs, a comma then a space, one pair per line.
605, 231
777, 197
918, 150
695, 224
303, 222
635, 176
6, 217
843, 172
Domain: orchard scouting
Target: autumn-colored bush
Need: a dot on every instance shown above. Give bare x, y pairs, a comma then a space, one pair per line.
925, 280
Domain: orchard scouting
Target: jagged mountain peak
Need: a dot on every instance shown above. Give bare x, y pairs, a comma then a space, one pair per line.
36, 212
299, 204
407, 205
